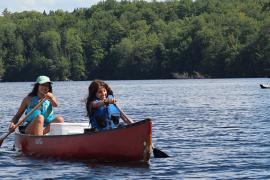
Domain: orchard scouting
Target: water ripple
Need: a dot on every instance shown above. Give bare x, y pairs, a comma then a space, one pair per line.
212, 129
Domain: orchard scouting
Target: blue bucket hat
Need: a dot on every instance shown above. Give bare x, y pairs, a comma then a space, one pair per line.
43, 80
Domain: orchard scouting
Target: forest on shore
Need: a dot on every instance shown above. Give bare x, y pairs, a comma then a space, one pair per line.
138, 40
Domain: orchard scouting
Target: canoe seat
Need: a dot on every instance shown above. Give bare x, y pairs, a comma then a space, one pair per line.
67, 128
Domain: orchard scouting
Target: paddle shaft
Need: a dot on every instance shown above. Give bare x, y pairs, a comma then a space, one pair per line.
3, 137
129, 121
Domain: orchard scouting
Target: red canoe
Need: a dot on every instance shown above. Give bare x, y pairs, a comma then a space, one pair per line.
129, 143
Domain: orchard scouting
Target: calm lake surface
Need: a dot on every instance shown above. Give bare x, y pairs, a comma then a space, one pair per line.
211, 128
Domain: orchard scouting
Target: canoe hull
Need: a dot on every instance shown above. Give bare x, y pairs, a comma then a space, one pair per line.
130, 143
265, 86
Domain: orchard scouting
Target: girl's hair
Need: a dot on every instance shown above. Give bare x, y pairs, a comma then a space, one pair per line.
35, 89
92, 91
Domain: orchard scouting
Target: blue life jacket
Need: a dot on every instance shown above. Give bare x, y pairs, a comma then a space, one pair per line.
46, 110
102, 117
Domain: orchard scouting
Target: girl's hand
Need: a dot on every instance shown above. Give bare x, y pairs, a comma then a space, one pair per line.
11, 127
112, 101
49, 96
109, 101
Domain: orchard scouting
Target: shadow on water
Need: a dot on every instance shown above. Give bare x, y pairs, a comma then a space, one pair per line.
93, 164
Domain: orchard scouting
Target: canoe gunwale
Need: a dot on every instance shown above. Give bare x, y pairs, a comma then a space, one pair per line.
88, 133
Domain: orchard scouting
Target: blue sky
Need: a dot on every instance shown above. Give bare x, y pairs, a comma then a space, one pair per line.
47, 5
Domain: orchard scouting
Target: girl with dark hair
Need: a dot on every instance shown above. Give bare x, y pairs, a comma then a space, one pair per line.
100, 106
38, 123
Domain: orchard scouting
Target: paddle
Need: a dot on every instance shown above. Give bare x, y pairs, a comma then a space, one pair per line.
3, 137
157, 152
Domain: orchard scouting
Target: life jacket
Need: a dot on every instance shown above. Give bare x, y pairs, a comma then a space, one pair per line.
105, 117
46, 110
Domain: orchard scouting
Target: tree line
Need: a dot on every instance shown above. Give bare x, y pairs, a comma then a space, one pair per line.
138, 40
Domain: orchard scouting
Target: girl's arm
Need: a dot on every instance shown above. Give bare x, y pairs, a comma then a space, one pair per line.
96, 104
19, 113
52, 98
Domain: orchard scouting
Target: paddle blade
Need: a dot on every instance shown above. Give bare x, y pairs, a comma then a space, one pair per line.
3, 137
159, 154
1, 142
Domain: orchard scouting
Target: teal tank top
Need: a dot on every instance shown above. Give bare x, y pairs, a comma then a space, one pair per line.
46, 110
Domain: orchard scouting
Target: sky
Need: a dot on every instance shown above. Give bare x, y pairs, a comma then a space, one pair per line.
47, 5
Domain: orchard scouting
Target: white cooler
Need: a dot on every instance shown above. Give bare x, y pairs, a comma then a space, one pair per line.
68, 128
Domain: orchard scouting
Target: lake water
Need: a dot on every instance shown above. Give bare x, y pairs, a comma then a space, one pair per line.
211, 128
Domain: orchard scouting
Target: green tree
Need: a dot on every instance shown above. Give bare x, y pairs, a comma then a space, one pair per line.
121, 57
95, 59
2, 69
74, 53
49, 44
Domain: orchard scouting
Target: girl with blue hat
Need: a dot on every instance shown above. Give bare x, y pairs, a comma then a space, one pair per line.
38, 123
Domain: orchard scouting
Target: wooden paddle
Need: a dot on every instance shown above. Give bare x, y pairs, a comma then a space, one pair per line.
4, 136
157, 152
